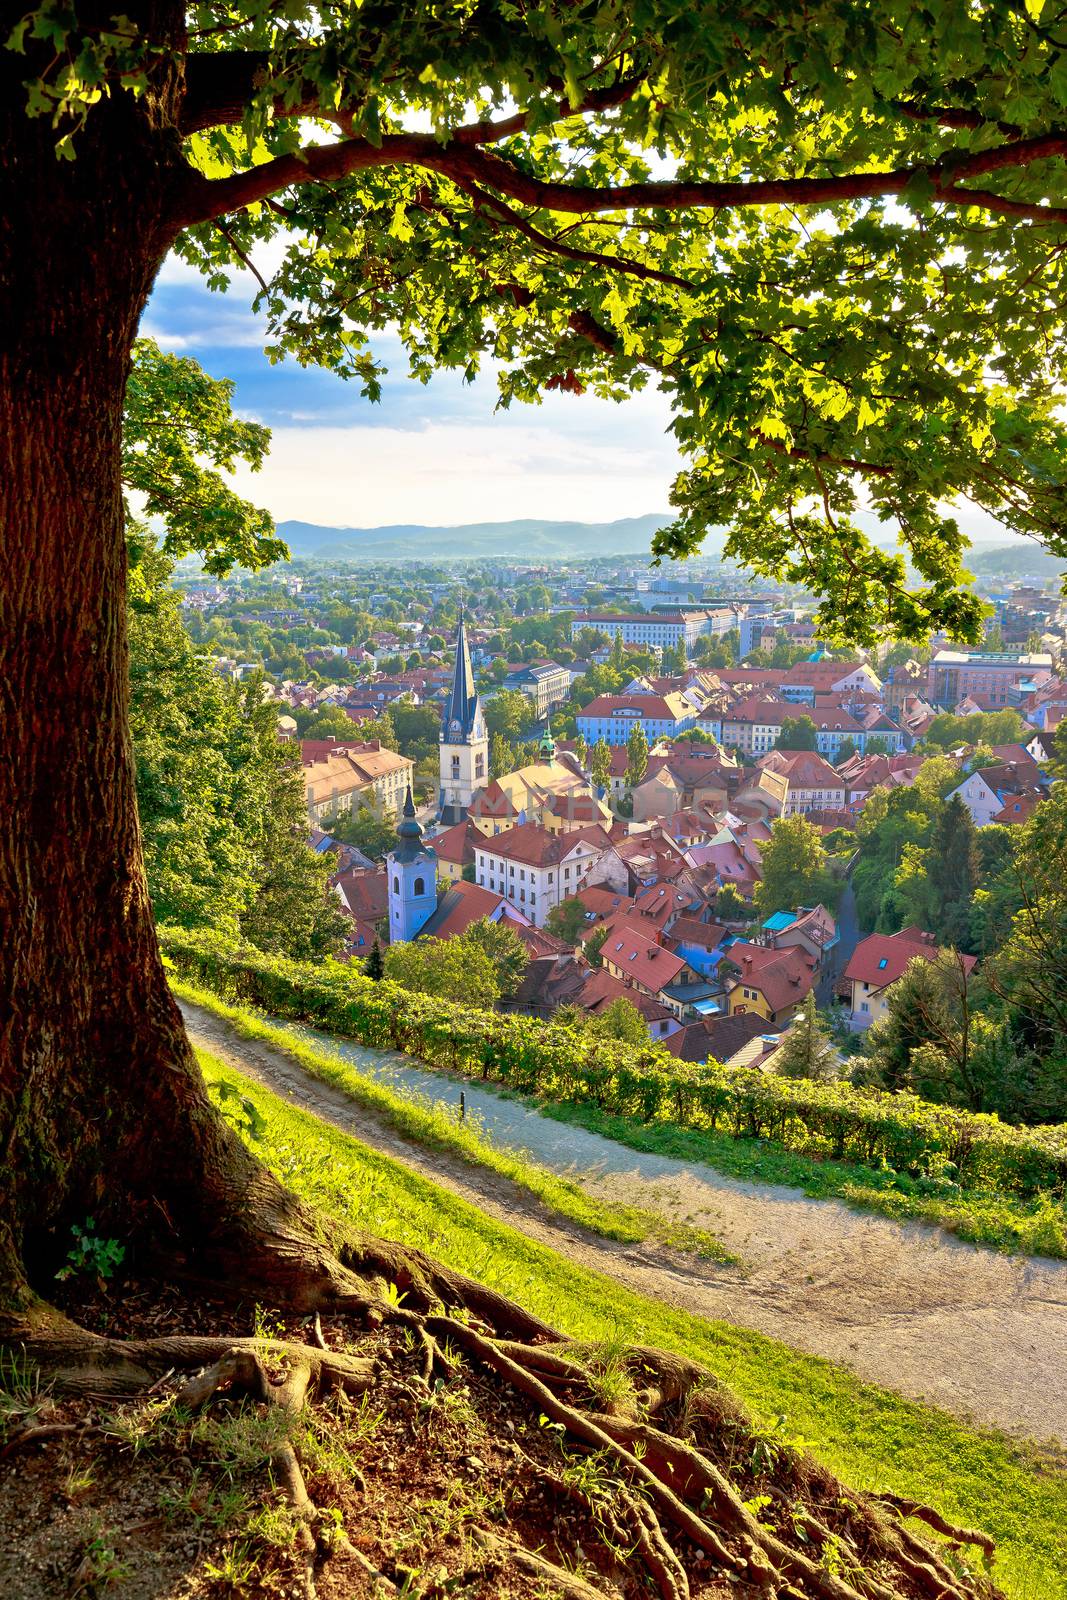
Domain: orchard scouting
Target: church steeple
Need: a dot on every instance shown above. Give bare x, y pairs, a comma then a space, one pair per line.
464, 738
462, 706
411, 868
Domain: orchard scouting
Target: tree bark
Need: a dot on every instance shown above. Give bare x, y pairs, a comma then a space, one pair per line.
103, 1113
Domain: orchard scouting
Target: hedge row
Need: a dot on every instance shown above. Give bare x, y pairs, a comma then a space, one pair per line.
562, 1064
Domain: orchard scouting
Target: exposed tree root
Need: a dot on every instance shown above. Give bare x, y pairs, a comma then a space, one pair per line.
569, 1584
933, 1519
674, 1508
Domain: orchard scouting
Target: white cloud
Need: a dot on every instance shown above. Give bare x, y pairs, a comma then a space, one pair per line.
444, 474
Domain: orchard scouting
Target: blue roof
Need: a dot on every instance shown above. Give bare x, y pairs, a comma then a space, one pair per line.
780, 920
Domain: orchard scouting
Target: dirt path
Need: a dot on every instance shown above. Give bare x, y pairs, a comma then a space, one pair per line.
903, 1305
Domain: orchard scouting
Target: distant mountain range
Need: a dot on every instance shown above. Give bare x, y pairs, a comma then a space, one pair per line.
514, 540
1023, 559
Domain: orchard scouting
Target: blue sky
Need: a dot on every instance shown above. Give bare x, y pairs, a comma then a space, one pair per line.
434, 453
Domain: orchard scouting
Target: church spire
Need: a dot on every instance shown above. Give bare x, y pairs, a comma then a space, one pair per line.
462, 703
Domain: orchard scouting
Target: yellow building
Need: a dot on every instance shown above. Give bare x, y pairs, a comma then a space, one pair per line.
536, 793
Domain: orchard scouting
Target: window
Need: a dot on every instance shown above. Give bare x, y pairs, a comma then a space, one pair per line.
883, 963
420, 886
455, 766
865, 1005
396, 884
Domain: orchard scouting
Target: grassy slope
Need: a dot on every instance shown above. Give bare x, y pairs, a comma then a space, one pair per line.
1037, 1227
432, 1125
872, 1438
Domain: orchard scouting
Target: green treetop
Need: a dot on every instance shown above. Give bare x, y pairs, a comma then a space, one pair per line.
797, 733
600, 764
776, 274
795, 869
636, 756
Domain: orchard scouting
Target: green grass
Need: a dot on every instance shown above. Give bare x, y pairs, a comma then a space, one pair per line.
872, 1438
1035, 1227
980, 1216
434, 1126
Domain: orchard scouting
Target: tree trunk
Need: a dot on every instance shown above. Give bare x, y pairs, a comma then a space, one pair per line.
103, 1113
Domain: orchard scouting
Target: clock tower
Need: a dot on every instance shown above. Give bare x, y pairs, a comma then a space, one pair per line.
464, 740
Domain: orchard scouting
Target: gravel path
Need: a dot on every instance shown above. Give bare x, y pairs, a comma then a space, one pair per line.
903, 1305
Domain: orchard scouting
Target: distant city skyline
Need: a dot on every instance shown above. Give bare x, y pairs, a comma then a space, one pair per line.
436, 453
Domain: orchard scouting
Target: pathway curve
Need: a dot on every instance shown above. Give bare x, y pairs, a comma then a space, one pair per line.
903, 1305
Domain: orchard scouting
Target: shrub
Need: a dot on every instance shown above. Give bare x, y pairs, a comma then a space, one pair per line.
563, 1063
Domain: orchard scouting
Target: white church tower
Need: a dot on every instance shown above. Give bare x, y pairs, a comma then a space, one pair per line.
412, 868
464, 740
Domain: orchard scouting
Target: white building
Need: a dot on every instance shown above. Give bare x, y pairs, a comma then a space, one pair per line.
535, 869
464, 748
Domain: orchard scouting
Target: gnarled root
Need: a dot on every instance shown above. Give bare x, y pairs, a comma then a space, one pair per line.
672, 1510
933, 1519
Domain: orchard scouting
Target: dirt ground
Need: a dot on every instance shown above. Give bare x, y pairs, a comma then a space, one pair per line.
907, 1306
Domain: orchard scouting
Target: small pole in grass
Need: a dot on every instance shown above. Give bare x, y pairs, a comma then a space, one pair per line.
462, 1105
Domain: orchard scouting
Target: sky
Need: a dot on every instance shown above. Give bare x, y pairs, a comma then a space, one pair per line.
436, 453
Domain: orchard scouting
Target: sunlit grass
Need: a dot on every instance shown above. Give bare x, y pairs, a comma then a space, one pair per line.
434, 1125
874, 1439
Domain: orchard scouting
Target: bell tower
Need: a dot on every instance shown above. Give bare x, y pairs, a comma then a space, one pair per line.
412, 874
464, 754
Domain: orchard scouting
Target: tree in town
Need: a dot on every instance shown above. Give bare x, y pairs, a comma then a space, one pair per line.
1029, 971
795, 869
845, 752
504, 949
984, 727
501, 756
451, 969
324, 722
411, 171
600, 764
508, 714
380, 727
619, 1020
221, 802
636, 756
618, 659
366, 827
953, 868
567, 921
797, 733
594, 945
581, 749
675, 661
943, 1038
806, 1050
374, 965
730, 904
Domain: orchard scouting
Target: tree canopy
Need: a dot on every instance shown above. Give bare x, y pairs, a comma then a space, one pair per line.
833, 236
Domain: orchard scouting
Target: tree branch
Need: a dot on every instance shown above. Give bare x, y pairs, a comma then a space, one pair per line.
203, 199
555, 246
220, 86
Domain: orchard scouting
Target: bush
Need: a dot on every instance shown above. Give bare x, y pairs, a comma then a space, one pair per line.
562, 1063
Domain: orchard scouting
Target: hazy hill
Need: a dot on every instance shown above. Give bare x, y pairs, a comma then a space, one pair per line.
522, 539
1022, 560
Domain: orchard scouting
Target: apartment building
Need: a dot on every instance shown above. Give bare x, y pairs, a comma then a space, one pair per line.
535, 869
994, 673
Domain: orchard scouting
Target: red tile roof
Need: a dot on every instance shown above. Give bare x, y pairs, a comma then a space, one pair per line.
461, 904
534, 846
783, 977
640, 959
881, 958
366, 893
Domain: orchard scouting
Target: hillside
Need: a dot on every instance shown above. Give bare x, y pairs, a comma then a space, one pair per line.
528, 537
